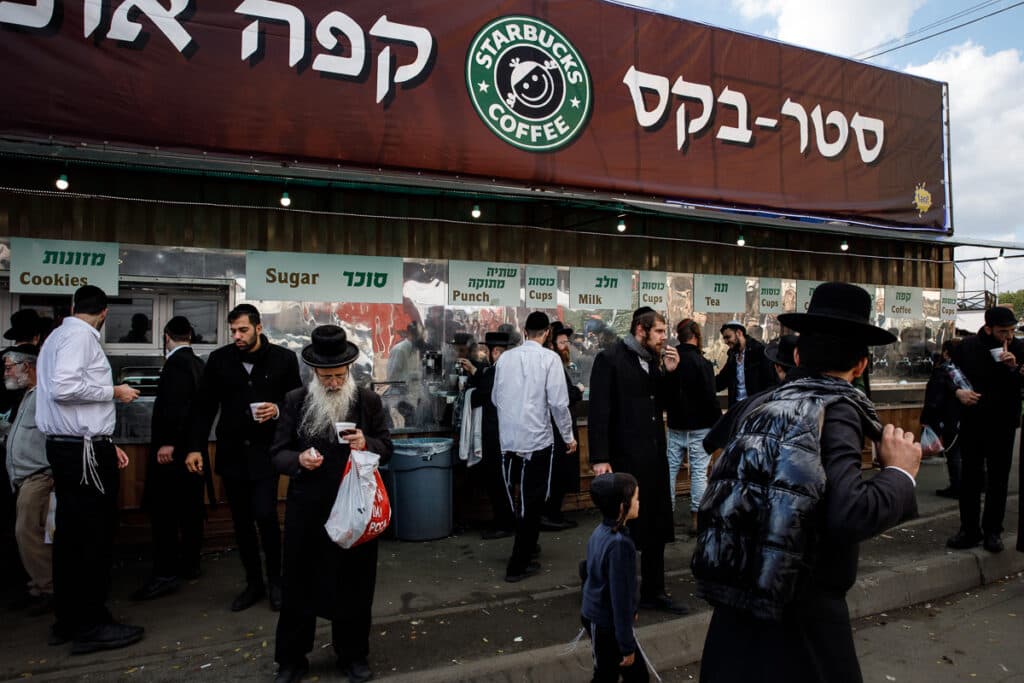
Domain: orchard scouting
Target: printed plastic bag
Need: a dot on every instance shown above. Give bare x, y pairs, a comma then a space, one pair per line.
361, 509
931, 444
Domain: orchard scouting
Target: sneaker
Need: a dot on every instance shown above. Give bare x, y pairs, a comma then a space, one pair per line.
106, 637
247, 598
156, 587
531, 569
963, 540
993, 543
663, 603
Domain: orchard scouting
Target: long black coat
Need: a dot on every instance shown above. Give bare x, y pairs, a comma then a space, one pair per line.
626, 430
999, 386
757, 371
311, 559
243, 445
482, 382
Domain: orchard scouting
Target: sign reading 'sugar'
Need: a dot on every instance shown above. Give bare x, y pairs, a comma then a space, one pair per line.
289, 276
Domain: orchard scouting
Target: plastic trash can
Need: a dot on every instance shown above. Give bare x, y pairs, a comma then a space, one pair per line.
420, 483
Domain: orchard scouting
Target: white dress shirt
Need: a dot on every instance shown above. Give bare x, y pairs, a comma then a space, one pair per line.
75, 394
529, 390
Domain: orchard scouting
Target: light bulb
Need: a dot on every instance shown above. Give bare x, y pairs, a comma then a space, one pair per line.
740, 241
285, 199
621, 227
62, 182
844, 246
476, 211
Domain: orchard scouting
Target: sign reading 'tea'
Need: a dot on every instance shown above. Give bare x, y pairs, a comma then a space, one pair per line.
61, 266
289, 276
479, 283
653, 290
719, 293
903, 302
600, 288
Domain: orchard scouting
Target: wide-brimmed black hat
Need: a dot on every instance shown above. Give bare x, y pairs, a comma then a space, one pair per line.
558, 328
842, 310
492, 339
781, 350
25, 324
462, 339
330, 348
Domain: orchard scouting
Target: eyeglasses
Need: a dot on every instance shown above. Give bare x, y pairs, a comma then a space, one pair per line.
8, 366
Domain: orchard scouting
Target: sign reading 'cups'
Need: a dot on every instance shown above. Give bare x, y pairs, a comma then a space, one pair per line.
528, 83
947, 304
479, 283
769, 297
288, 276
653, 290
541, 286
61, 267
719, 293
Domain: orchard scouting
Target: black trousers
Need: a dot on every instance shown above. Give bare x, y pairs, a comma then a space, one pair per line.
487, 475
534, 479
953, 466
84, 537
565, 477
174, 498
652, 570
607, 658
253, 506
350, 624
986, 453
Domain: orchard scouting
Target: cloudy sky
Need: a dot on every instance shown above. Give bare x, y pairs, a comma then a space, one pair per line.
983, 63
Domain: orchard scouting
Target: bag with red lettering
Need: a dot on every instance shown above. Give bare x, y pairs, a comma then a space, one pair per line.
361, 509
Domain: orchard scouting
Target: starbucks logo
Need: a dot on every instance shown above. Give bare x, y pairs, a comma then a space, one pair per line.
528, 83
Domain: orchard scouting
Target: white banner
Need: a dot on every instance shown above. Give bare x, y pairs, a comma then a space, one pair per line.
804, 290
290, 276
769, 295
720, 293
903, 302
480, 283
61, 266
947, 305
541, 286
653, 288
600, 288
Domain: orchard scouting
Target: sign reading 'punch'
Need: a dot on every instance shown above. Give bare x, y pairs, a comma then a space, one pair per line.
61, 267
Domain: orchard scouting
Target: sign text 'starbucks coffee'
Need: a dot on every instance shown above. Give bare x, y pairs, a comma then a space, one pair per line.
541, 286
947, 305
653, 290
61, 267
719, 293
769, 297
597, 288
479, 283
289, 276
804, 292
903, 302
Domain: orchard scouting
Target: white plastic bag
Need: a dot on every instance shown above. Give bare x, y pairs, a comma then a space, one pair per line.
353, 506
931, 443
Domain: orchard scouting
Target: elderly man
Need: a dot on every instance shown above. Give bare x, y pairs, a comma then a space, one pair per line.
31, 479
320, 578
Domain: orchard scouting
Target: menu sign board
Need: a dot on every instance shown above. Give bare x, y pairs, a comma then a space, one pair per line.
479, 283
947, 305
804, 291
61, 266
769, 295
903, 302
290, 276
653, 288
541, 286
600, 288
719, 293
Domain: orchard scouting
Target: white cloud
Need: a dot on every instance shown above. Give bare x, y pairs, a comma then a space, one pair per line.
836, 26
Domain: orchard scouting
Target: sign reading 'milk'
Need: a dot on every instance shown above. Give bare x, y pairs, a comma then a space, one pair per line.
61, 266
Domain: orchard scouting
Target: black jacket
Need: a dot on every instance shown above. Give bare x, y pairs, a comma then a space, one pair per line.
626, 430
692, 403
482, 382
786, 505
242, 444
941, 409
998, 385
758, 371
176, 393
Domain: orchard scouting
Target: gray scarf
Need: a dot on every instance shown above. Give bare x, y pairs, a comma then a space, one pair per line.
633, 345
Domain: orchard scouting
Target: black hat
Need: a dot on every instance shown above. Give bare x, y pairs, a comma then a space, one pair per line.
642, 311
330, 348
781, 350
25, 324
537, 321
558, 329
842, 310
178, 326
997, 316
492, 339
733, 325
26, 349
609, 492
462, 339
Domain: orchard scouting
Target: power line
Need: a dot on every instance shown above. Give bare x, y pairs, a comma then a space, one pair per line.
948, 30
928, 27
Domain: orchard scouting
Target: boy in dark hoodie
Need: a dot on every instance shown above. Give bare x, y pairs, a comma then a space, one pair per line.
610, 590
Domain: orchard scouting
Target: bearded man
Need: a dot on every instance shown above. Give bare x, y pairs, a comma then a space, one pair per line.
321, 578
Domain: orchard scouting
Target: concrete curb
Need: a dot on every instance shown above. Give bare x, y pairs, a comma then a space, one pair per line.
680, 641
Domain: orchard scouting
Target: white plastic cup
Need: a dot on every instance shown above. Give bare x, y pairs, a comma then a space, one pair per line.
340, 427
997, 353
254, 407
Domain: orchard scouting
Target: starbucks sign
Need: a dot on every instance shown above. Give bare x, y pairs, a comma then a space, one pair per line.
528, 83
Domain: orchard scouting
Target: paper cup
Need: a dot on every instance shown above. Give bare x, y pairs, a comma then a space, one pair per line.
254, 407
996, 353
341, 427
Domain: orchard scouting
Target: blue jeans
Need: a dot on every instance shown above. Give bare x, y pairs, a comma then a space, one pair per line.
690, 442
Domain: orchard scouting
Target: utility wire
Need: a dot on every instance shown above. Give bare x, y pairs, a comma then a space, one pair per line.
939, 33
928, 27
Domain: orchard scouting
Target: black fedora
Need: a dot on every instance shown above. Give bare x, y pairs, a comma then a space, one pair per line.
558, 329
781, 350
330, 348
841, 310
25, 324
492, 339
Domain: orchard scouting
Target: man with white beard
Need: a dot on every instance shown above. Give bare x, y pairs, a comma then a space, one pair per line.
321, 578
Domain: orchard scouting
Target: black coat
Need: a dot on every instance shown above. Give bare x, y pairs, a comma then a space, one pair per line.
626, 430
941, 409
998, 385
311, 559
692, 403
176, 393
242, 444
482, 382
758, 371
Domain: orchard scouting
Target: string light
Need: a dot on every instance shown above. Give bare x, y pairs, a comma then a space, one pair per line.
62, 182
286, 201
475, 213
740, 242
844, 246
621, 227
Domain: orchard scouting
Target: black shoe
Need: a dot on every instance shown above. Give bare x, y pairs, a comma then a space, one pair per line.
291, 674
106, 637
531, 569
275, 596
963, 540
358, 671
247, 598
58, 635
548, 524
663, 603
43, 604
993, 543
535, 553
156, 587
492, 534
948, 492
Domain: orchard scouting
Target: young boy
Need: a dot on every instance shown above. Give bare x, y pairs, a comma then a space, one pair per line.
610, 591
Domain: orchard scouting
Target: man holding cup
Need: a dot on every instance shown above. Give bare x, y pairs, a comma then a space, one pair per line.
991, 361
320, 425
246, 382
